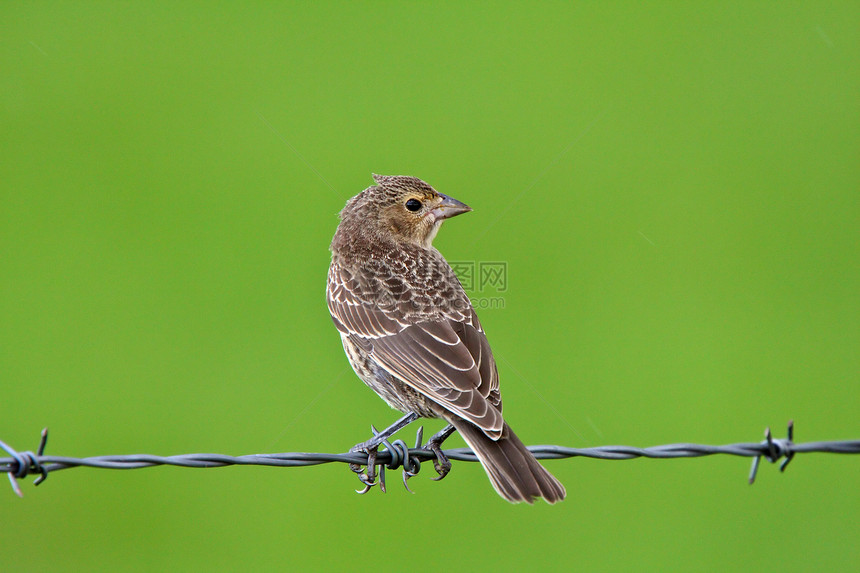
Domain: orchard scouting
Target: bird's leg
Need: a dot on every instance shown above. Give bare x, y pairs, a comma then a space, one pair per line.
380, 437
370, 447
434, 444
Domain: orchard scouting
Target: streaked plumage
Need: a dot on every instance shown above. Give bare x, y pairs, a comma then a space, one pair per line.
410, 332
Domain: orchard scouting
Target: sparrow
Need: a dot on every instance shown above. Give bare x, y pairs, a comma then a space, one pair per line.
411, 334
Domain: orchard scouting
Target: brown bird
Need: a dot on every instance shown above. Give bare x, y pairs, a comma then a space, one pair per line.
411, 334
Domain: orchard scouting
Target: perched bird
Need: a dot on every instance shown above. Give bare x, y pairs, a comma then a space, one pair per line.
411, 334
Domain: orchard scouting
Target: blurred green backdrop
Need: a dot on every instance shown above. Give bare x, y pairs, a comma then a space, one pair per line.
674, 189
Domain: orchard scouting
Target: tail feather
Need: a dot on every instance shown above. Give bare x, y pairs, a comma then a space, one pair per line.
513, 470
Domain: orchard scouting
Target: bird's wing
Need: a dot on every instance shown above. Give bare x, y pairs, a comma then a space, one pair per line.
448, 360
454, 369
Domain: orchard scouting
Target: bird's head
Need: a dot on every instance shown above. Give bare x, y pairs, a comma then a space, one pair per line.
400, 207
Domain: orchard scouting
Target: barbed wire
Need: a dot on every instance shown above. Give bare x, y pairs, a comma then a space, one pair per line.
397, 455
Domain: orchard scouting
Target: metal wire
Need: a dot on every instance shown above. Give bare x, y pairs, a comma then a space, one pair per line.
396, 455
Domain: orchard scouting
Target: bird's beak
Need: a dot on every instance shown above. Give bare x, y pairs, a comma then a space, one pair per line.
449, 207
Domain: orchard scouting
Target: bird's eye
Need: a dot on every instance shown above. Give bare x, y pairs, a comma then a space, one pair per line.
413, 205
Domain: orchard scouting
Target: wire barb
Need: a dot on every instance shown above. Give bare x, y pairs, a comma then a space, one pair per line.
396, 455
774, 450
25, 463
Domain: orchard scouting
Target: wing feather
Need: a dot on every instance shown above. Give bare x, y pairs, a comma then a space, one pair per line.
447, 359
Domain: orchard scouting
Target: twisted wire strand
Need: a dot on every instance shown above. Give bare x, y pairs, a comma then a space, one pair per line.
397, 455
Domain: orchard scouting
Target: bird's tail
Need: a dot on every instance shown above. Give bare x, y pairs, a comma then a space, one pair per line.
512, 469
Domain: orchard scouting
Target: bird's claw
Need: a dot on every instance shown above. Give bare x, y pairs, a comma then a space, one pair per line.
441, 464
368, 476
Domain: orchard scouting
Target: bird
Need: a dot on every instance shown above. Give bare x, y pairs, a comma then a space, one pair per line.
411, 334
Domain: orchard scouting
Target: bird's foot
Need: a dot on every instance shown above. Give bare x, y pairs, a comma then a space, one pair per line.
371, 446
367, 476
442, 464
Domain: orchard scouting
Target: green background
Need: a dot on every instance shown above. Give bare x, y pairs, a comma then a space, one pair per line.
673, 187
